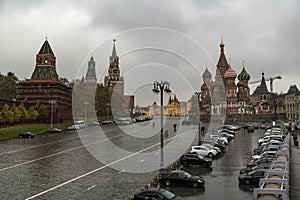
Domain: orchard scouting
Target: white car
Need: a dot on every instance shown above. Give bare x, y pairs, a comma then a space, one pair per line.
220, 138
271, 142
212, 147
266, 154
73, 127
203, 151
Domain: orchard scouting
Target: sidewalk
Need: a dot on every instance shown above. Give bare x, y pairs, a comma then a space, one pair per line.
294, 170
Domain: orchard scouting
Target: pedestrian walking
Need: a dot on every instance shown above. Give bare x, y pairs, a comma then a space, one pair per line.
174, 126
166, 133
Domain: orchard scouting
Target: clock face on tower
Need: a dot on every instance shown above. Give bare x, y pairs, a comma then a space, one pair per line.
115, 72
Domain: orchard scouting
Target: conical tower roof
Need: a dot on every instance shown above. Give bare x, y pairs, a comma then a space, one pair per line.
46, 48
263, 86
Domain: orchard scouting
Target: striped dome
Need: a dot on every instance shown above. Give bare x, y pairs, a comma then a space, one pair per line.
244, 75
230, 73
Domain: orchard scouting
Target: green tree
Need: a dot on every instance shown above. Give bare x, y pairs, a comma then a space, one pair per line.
16, 113
33, 113
102, 101
24, 113
6, 115
8, 86
43, 113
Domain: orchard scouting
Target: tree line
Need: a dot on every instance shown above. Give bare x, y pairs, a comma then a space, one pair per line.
19, 114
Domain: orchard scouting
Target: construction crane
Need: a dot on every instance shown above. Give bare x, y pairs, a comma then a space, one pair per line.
268, 79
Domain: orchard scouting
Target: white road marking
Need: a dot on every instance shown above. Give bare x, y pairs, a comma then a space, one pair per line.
91, 187
122, 171
95, 170
142, 160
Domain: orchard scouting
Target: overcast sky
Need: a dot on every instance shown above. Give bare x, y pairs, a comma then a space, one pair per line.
156, 40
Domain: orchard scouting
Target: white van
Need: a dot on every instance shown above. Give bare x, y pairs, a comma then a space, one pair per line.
80, 123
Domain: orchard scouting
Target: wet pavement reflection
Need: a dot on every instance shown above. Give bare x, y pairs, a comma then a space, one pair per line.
222, 178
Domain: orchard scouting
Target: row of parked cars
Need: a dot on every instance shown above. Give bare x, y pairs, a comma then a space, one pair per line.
267, 151
199, 155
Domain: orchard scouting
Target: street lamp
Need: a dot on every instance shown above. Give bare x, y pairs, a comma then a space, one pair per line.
199, 125
85, 103
52, 102
160, 87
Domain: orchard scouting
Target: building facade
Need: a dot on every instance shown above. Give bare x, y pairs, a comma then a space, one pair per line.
44, 87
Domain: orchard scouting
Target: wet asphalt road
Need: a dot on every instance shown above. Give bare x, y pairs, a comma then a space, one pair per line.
63, 166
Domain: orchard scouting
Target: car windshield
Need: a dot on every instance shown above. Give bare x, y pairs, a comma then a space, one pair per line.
167, 194
187, 174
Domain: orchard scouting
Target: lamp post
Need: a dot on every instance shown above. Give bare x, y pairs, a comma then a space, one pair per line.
160, 87
85, 103
51, 102
199, 123
242, 111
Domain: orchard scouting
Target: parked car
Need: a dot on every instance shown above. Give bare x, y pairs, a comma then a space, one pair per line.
250, 128
212, 147
249, 169
194, 159
271, 142
53, 130
26, 135
179, 177
270, 137
214, 142
203, 151
95, 124
266, 154
252, 177
261, 161
157, 194
73, 127
226, 131
221, 138
262, 126
226, 135
231, 127
262, 149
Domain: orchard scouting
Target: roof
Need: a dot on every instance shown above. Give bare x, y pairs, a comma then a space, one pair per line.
263, 86
293, 90
46, 48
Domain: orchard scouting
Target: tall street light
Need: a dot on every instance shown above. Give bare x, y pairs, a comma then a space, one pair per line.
199, 125
85, 103
52, 102
160, 87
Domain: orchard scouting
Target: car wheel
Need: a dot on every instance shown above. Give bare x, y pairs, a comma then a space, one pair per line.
247, 182
185, 164
195, 184
210, 155
167, 183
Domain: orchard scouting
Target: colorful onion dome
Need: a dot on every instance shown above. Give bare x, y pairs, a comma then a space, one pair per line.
244, 75
240, 84
230, 73
206, 74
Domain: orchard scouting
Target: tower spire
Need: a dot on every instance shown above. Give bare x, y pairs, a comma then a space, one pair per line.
114, 51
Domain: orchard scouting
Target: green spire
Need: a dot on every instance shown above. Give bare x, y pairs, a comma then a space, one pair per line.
46, 49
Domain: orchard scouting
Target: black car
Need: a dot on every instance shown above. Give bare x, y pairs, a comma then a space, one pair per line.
250, 128
249, 169
26, 135
194, 159
262, 161
53, 130
179, 177
156, 193
252, 177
